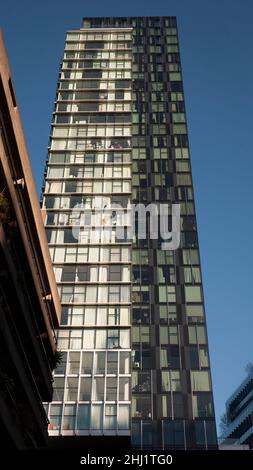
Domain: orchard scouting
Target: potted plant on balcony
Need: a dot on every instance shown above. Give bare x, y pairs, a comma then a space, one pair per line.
57, 359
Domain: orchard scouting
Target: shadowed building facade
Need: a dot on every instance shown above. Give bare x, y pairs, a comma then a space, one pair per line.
133, 327
29, 301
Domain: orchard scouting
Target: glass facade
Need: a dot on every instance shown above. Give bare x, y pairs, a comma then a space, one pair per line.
119, 136
90, 166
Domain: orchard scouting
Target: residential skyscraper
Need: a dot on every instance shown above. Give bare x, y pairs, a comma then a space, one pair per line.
133, 329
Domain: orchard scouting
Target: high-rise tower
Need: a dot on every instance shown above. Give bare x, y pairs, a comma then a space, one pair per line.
133, 331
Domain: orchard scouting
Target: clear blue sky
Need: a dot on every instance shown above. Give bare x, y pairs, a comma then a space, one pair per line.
216, 38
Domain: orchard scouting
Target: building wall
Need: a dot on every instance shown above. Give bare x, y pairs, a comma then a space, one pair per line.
120, 121
239, 410
29, 301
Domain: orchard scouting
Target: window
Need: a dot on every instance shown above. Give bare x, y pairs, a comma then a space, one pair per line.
112, 339
85, 389
200, 381
71, 388
73, 254
170, 357
83, 273
166, 275
58, 391
124, 339
141, 381
112, 363
197, 334
141, 334
141, 407
89, 339
167, 294
87, 363
124, 365
55, 172
122, 84
101, 316
169, 335
141, 315
69, 417
76, 339
115, 254
110, 417
194, 357
114, 293
111, 389
114, 273
61, 368
174, 435
100, 339
63, 339
90, 316
73, 364
83, 417
66, 319
119, 95
68, 236
171, 381
211, 433
147, 435
195, 313
193, 294
123, 417
114, 316
136, 433
200, 433
124, 388
175, 381
166, 406
178, 409
55, 417
91, 294
202, 405
99, 363
203, 357
98, 388
164, 335
192, 275
168, 313
68, 273
97, 417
